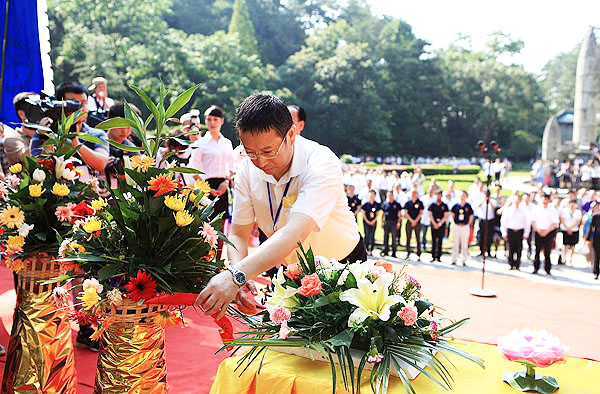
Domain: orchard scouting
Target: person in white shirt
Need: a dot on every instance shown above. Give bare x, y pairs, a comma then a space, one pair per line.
544, 221
570, 220
427, 199
99, 100
418, 180
363, 194
293, 188
213, 155
515, 225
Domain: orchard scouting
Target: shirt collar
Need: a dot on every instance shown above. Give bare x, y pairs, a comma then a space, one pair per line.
299, 164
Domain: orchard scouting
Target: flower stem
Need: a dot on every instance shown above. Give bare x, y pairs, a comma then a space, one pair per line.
530, 372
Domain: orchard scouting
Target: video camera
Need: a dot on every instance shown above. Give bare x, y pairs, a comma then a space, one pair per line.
38, 106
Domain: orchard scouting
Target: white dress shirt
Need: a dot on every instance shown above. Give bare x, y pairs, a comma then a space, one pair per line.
570, 220
315, 179
514, 218
544, 218
214, 157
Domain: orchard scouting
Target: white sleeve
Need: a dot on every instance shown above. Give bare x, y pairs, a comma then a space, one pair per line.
196, 157
320, 188
91, 104
243, 208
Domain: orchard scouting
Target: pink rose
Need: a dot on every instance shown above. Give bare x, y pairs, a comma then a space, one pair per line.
409, 315
284, 331
311, 285
293, 271
280, 315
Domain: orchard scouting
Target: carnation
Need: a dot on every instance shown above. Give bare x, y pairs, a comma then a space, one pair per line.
64, 247
377, 271
93, 283
280, 315
61, 296
210, 235
114, 297
409, 315
13, 180
284, 331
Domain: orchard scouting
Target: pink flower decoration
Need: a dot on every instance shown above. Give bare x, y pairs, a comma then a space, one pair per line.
280, 315
210, 235
410, 279
433, 327
65, 213
284, 331
13, 180
536, 347
3, 191
311, 285
376, 271
409, 315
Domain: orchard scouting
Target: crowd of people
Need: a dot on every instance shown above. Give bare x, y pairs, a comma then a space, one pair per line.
570, 174
541, 220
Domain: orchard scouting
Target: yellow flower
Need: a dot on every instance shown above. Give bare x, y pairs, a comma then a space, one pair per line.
202, 185
15, 241
141, 163
12, 217
78, 247
16, 168
175, 203
289, 201
92, 225
89, 297
36, 190
183, 218
15, 265
60, 189
98, 204
78, 171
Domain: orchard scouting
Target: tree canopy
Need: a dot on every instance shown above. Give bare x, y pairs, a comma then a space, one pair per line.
368, 84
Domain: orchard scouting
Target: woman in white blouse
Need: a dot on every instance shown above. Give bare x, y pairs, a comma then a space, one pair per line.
213, 155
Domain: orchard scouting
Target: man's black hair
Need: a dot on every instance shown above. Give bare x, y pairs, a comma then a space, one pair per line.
300, 111
260, 113
214, 110
19, 100
70, 87
117, 110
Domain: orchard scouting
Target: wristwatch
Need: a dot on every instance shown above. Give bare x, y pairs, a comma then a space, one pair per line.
239, 277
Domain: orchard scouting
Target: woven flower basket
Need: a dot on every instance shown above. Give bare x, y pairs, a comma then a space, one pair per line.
130, 312
39, 268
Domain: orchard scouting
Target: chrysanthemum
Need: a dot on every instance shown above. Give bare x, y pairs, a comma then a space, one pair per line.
114, 297
12, 217
202, 185
61, 296
162, 184
64, 213
36, 190
15, 241
210, 235
3, 191
60, 189
15, 265
16, 168
168, 318
92, 225
99, 203
183, 218
141, 286
89, 297
142, 163
175, 203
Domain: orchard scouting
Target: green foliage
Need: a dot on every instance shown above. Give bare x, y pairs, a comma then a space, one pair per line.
558, 80
524, 145
242, 26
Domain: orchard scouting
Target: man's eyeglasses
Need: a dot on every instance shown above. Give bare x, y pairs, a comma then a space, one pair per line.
265, 156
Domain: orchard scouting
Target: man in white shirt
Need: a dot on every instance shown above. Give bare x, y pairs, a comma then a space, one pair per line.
99, 100
544, 222
515, 225
363, 194
293, 188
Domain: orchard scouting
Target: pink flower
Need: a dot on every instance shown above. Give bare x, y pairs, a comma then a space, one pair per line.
3, 190
61, 296
293, 271
280, 315
210, 235
376, 271
411, 280
65, 213
433, 327
536, 347
375, 359
13, 180
409, 315
284, 331
311, 285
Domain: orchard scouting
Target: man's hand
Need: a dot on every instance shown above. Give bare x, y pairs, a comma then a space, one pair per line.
217, 295
244, 302
214, 193
223, 187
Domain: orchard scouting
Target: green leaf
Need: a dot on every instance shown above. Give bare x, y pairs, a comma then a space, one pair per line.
351, 281
117, 122
344, 338
91, 138
125, 147
149, 104
107, 271
326, 300
185, 170
422, 306
180, 101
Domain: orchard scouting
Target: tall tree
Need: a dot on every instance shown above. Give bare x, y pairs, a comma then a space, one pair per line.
558, 80
241, 24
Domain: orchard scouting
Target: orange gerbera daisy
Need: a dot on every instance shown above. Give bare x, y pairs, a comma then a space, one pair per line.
162, 184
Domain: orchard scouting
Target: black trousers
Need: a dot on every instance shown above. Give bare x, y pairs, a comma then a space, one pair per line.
485, 239
596, 259
389, 229
369, 236
409, 230
436, 241
515, 247
543, 244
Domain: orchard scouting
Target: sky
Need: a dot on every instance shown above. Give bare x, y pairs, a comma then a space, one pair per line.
547, 27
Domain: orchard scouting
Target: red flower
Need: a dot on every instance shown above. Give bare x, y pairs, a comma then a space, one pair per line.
48, 163
83, 210
2, 230
83, 319
141, 286
225, 330
162, 184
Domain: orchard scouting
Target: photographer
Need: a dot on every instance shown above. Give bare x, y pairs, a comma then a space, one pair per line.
115, 166
92, 154
99, 99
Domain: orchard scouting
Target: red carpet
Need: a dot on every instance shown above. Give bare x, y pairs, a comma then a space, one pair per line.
570, 313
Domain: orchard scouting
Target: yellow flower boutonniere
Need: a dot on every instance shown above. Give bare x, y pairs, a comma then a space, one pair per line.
289, 201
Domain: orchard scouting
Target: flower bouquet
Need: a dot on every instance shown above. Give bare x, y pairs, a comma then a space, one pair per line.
532, 349
152, 235
363, 309
38, 201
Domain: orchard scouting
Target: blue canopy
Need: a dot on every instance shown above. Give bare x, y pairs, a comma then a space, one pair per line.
21, 62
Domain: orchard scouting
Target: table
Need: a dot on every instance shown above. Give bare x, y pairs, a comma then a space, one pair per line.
287, 374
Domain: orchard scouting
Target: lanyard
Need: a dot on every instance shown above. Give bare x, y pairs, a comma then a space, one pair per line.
276, 217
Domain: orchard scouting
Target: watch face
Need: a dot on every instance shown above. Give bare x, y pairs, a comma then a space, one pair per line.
240, 277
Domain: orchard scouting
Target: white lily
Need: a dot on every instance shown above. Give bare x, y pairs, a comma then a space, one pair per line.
62, 171
371, 299
359, 270
327, 267
281, 296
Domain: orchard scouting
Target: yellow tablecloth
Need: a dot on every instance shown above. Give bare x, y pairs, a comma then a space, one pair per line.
287, 374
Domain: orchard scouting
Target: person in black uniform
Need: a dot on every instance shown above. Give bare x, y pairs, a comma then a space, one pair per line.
438, 212
370, 210
392, 217
593, 238
353, 200
413, 210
